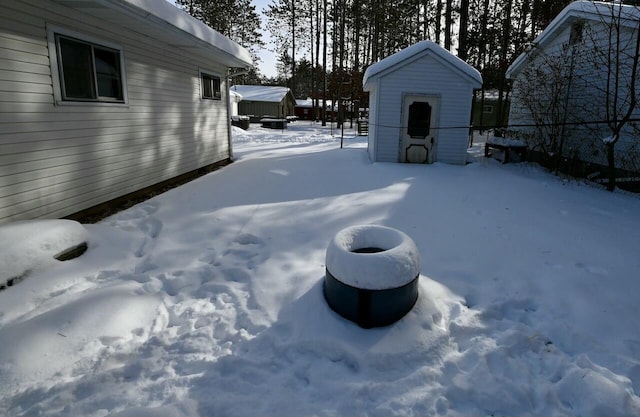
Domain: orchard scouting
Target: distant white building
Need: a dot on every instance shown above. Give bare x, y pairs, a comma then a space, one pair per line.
102, 99
420, 105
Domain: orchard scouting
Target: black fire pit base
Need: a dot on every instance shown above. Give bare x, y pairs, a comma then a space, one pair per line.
370, 308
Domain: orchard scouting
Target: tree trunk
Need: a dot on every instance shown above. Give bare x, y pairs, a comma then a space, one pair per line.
356, 35
438, 20
462, 33
341, 54
293, 47
448, 23
504, 56
483, 34
317, 63
313, 73
324, 64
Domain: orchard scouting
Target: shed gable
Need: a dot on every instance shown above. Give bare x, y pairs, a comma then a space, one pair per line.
414, 52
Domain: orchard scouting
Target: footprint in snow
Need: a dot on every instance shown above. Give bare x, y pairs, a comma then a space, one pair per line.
247, 250
517, 310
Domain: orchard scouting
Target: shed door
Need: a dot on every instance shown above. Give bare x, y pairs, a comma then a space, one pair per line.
418, 133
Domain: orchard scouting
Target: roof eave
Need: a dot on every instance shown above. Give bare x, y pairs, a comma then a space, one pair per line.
577, 10
368, 80
170, 18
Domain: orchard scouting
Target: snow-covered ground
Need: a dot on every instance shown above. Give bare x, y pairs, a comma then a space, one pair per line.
207, 300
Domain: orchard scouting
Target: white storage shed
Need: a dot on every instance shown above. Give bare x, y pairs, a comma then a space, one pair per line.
420, 105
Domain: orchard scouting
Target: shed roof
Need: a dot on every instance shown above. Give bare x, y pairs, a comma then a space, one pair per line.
162, 20
417, 50
265, 93
589, 10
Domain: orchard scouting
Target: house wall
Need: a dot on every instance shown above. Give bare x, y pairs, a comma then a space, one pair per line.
373, 125
59, 159
430, 76
588, 99
519, 115
585, 97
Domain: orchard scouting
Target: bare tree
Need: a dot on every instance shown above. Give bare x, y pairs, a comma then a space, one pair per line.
614, 57
540, 106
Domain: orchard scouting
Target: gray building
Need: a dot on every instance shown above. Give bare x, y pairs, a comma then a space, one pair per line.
260, 101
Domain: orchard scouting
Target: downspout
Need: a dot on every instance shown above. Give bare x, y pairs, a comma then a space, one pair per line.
228, 93
230, 75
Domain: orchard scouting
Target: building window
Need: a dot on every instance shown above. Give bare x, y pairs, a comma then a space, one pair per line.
89, 71
487, 109
210, 87
575, 35
419, 122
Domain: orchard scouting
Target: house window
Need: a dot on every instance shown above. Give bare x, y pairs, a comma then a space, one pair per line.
575, 35
89, 71
487, 109
210, 87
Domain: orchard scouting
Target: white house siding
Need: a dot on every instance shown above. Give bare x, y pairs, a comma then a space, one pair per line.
585, 101
588, 97
373, 130
58, 159
430, 76
519, 115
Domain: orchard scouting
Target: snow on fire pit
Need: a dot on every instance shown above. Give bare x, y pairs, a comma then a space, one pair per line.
372, 275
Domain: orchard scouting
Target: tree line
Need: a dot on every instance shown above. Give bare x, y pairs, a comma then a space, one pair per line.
324, 46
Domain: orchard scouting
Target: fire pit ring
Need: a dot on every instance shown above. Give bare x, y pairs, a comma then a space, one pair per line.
372, 275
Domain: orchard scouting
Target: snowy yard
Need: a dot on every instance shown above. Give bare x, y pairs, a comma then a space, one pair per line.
207, 300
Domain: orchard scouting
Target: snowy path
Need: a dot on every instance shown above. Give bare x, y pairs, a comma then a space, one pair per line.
207, 300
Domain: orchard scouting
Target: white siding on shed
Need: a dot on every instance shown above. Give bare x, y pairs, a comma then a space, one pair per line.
427, 74
58, 159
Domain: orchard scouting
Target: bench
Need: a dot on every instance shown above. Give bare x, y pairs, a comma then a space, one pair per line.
508, 147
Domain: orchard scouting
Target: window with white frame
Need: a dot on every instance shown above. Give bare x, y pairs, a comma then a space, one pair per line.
210, 86
89, 71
